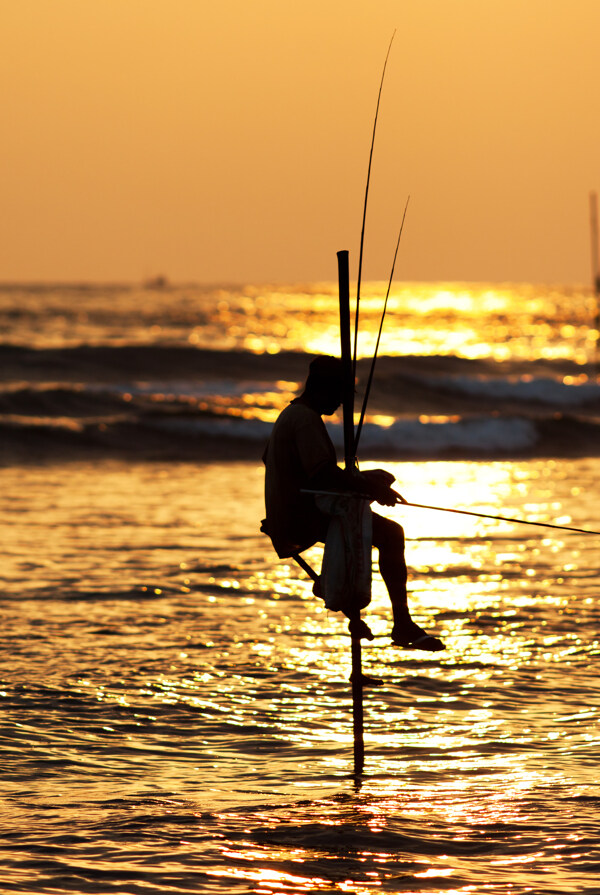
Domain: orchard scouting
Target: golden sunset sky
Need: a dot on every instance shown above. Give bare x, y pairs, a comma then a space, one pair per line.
228, 141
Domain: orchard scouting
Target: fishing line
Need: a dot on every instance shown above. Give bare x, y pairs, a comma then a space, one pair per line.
372, 370
362, 232
426, 506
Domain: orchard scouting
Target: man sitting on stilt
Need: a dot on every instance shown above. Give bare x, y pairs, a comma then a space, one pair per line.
300, 457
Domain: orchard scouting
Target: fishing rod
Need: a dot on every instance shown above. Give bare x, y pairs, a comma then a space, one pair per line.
424, 506
349, 365
362, 232
400, 501
374, 359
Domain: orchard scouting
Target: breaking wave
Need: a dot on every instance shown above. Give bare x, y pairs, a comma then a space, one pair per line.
180, 402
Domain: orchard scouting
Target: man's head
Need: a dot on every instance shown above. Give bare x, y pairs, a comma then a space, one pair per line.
325, 384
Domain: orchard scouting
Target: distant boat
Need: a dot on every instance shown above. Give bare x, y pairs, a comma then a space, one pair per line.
158, 282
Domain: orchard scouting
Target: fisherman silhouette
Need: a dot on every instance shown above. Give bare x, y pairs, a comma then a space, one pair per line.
299, 458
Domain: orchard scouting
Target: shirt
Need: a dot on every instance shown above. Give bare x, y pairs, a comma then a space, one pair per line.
299, 448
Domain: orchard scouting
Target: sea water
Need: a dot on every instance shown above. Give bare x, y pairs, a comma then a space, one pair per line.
176, 707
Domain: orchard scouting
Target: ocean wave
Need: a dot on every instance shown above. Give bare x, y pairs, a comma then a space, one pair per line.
149, 401
527, 390
481, 436
135, 362
400, 384
209, 436
472, 435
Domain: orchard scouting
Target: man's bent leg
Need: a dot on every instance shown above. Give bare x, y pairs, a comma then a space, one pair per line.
388, 537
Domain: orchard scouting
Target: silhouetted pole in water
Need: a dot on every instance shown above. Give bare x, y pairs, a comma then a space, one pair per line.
350, 463
595, 267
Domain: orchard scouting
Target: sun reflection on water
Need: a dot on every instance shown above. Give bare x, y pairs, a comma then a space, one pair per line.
215, 677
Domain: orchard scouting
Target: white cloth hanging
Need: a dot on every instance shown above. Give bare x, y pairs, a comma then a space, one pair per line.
346, 568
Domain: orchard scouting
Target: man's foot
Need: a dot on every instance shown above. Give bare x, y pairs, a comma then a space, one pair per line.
368, 681
411, 636
360, 629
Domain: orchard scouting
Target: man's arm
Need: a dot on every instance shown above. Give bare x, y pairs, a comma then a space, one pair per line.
373, 483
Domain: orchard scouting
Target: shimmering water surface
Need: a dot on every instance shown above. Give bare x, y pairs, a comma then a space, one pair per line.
176, 707
471, 320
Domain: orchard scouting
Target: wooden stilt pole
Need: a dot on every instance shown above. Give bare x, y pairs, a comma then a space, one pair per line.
350, 462
595, 272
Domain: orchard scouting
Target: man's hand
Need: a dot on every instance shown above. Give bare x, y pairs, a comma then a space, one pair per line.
379, 482
379, 477
389, 498
385, 497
